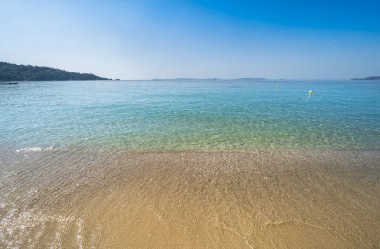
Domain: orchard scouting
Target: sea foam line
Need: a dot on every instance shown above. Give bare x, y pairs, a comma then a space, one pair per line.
35, 149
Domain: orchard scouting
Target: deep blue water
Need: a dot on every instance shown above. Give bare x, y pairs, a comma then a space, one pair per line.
191, 115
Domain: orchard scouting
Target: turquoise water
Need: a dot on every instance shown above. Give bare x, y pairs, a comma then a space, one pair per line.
190, 115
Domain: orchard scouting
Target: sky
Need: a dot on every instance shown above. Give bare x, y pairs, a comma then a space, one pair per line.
145, 39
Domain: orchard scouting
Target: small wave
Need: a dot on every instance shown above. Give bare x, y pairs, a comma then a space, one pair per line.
35, 149
18, 228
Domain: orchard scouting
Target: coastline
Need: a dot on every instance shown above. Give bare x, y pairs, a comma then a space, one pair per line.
251, 199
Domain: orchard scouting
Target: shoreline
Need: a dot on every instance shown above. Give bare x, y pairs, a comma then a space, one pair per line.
256, 199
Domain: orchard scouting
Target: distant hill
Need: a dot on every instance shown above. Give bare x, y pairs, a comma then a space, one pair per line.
252, 79
13, 72
210, 79
185, 79
368, 78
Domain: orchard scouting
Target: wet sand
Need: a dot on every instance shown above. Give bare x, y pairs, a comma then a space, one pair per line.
255, 199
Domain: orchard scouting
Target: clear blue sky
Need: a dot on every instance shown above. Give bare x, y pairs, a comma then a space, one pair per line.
145, 39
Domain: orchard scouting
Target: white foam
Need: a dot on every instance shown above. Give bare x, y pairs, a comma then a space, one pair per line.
35, 149
80, 233
16, 227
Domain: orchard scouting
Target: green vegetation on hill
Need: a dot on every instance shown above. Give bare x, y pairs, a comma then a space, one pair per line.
13, 72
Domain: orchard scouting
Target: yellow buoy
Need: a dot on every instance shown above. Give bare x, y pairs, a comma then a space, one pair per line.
310, 92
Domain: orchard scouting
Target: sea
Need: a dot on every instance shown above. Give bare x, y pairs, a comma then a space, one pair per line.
177, 115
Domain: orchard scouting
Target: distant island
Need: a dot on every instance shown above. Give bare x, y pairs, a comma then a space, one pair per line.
209, 79
13, 72
184, 79
368, 78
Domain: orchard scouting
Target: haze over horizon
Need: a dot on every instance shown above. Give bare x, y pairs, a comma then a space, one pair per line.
196, 39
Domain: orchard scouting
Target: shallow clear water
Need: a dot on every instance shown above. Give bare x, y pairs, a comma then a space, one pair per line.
190, 115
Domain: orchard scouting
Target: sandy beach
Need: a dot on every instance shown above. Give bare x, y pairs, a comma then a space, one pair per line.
255, 199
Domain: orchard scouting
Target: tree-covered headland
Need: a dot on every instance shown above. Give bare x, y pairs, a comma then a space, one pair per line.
13, 72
